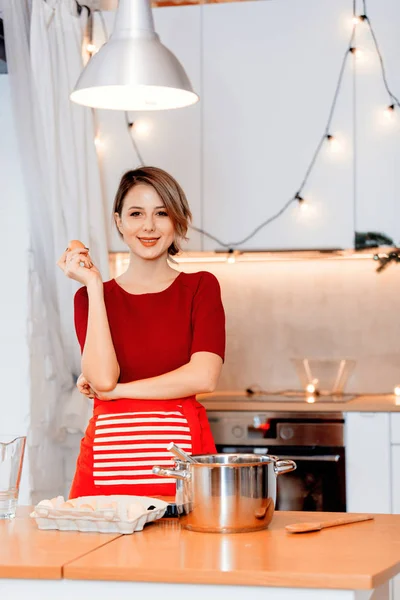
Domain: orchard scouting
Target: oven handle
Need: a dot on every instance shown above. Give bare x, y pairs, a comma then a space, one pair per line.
320, 458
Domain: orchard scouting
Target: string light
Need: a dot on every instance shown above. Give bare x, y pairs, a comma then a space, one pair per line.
98, 142
232, 254
357, 20
142, 127
91, 48
389, 112
334, 144
310, 399
397, 390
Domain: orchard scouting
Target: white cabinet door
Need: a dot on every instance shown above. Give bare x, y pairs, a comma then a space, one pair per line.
396, 479
368, 471
269, 75
378, 140
395, 428
396, 503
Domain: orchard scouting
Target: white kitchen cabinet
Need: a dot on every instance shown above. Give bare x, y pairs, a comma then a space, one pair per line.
395, 428
368, 459
396, 479
378, 140
269, 74
396, 497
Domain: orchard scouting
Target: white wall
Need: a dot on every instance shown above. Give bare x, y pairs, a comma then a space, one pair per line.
14, 242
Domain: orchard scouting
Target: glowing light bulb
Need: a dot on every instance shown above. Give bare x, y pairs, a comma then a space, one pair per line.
310, 388
91, 48
303, 205
389, 112
334, 144
98, 142
301, 201
358, 54
310, 399
358, 19
397, 390
142, 127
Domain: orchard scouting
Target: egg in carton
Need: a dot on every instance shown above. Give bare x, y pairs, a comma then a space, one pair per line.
127, 514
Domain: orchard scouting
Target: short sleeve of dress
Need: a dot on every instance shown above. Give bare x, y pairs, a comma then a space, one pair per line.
81, 310
208, 317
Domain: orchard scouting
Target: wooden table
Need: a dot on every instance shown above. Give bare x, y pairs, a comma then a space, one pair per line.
354, 562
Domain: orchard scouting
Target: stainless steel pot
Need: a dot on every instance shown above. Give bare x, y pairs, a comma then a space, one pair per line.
226, 493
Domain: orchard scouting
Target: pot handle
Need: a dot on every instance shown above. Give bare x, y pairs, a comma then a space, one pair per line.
284, 466
185, 475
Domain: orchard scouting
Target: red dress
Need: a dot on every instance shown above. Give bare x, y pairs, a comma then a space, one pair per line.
152, 334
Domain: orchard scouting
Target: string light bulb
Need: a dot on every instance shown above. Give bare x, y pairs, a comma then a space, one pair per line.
231, 258
389, 112
301, 201
310, 399
91, 48
141, 127
357, 19
98, 142
397, 391
334, 144
310, 388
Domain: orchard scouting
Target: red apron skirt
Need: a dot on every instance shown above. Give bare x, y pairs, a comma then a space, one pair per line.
125, 438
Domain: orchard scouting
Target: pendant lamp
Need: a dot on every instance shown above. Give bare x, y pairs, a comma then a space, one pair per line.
133, 70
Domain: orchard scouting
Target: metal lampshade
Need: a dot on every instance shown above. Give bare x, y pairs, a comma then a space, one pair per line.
133, 70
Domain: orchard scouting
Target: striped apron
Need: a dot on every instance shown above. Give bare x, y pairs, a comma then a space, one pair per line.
119, 449
127, 445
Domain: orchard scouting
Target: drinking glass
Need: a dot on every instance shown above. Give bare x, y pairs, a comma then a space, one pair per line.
11, 461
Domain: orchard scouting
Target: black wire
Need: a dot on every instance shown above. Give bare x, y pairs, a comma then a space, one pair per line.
383, 70
103, 24
129, 124
256, 230
297, 195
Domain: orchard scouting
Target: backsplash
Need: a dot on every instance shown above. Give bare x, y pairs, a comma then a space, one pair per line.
278, 310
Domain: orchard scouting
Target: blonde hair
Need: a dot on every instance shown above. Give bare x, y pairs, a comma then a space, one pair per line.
170, 192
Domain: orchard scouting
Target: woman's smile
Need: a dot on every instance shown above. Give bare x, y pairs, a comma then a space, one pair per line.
148, 242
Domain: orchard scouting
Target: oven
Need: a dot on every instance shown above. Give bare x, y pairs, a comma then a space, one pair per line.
315, 441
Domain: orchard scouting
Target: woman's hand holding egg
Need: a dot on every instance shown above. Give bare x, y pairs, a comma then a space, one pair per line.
76, 263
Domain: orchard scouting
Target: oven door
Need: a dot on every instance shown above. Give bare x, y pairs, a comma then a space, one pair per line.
318, 483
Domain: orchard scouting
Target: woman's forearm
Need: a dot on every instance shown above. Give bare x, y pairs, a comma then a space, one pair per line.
198, 376
99, 361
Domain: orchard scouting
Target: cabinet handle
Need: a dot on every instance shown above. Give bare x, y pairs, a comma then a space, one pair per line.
320, 458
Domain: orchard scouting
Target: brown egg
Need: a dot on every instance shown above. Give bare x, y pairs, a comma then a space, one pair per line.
86, 507
75, 244
67, 505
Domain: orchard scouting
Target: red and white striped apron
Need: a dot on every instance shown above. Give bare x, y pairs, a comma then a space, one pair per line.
127, 445
120, 448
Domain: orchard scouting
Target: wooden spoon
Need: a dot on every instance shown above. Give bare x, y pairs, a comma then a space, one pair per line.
318, 525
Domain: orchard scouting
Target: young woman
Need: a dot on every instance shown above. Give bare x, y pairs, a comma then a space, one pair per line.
151, 340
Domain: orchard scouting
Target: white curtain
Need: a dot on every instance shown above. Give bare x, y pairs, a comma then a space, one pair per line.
64, 200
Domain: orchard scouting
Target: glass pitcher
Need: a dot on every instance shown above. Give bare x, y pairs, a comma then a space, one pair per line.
11, 461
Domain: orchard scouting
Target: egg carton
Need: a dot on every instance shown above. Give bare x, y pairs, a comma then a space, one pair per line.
102, 514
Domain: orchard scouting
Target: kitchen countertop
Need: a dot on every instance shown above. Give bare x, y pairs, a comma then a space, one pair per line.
29, 553
338, 558
226, 400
